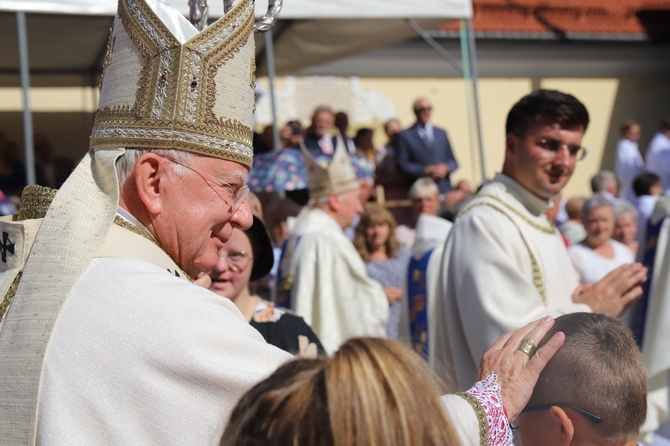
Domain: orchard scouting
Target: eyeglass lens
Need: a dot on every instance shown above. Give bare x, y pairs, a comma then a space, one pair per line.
554, 145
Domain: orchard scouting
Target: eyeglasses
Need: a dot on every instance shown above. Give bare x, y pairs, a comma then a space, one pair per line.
555, 145
238, 194
237, 260
583, 412
423, 109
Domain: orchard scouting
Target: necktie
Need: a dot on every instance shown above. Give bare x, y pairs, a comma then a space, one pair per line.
326, 145
427, 137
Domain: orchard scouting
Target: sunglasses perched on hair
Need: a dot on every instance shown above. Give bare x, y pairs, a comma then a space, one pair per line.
555, 145
583, 412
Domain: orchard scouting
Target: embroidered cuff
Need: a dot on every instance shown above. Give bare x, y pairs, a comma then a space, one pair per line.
484, 397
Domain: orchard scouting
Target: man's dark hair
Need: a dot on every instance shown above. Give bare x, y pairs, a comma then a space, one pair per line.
643, 183
546, 105
362, 133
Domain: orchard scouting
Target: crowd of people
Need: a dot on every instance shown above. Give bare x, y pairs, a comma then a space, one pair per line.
153, 299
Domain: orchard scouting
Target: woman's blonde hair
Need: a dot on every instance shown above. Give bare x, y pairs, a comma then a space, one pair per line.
373, 391
375, 214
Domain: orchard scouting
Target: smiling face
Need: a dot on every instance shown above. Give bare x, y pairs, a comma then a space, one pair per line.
625, 229
233, 269
377, 234
196, 216
541, 171
599, 225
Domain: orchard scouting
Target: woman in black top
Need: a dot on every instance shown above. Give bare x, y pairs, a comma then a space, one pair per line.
245, 257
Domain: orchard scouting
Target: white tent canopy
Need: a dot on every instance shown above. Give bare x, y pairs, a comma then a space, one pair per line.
67, 38
292, 9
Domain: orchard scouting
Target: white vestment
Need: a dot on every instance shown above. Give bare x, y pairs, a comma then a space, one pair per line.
141, 356
657, 158
500, 258
657, 324
431, 233
627, 165
331, 289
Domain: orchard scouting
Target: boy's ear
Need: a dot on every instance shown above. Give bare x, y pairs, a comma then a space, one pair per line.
564, 424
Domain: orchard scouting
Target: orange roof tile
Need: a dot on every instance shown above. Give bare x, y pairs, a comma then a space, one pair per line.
633, 17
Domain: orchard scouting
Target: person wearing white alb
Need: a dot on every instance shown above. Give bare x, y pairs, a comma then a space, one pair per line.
658, 154
628, 162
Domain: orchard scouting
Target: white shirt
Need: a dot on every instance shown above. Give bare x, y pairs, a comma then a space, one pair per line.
426, 132
592, 267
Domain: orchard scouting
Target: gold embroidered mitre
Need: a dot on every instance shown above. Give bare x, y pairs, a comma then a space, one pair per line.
337, 177
167, 86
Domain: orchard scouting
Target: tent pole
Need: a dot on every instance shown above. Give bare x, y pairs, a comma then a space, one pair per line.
25, 86
434, 45
470, 74
270, 54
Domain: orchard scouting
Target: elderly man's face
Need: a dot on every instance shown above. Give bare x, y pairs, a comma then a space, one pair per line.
422, 110
197, 217
323, 123
350, 205
428, 204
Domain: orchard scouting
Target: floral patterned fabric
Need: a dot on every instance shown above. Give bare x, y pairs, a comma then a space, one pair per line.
278, 171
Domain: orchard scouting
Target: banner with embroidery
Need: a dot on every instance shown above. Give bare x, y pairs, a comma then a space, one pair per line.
418, 303
648, 259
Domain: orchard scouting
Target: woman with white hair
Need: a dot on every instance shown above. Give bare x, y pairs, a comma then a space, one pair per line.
626, 217
598, 253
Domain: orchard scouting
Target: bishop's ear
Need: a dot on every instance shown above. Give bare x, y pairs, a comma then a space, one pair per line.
149, 172
334, 202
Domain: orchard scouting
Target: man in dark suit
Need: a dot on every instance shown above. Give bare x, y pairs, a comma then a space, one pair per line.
424, 150
319, 139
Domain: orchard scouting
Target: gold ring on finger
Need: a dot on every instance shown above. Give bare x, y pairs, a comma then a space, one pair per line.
528, 347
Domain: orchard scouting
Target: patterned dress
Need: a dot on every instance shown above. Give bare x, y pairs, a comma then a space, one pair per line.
391, 273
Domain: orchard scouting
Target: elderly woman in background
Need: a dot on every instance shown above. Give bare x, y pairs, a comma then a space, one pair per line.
245, 257
385, 260
625, 224
598, 253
